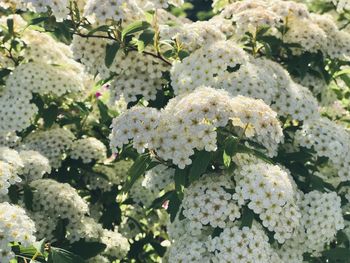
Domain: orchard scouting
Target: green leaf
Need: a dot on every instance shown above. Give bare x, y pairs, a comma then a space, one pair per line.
134, 27
231, 145
145, 39
87, 249
199, 165
157, 203
247, 217
174, 205
183, 54
138, 168
103, 28
227, 159
105, 118
180, 178
28, 197
338, 253
40, 246
58, 255
10, 26
111, 52
38, 20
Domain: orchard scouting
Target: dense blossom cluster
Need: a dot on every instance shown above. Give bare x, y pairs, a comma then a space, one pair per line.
223, 64
52, 143
329, 140
207, 202
311, 31
35, 165
88, 149
228, 137
15, 226
270, 193
10, 165
170, 132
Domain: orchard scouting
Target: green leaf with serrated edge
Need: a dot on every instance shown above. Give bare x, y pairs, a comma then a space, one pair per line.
111, 52
87, 249
199, 165
58, 255
138, 168
134, 27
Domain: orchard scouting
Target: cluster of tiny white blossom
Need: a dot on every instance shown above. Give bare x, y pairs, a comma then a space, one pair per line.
158, 178
58, 200
170, 132
88, 149
15, 226
207, 202
223, 64
320, 221
35, 165
330, 140
270, 193
10, 165
52, 143
312, 32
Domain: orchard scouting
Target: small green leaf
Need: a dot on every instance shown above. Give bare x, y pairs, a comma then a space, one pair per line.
138, 168
87, 249
111, 52
183, 54
247, 217
10, 26
174, 205
105, 118
40, 246
338, 253
58, 255
28, 197
231, 145
180, 178
134, 27
227, 159
145, 39
199, 165
103, 28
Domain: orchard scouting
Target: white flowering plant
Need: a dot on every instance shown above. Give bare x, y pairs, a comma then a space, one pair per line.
132, 133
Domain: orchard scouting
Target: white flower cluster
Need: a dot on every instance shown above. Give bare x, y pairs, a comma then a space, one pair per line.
117, 245
9, 139
223, 64
330, 140
15, 226
116, 174
193, 35
58, 200
321, 219
35, 165
207, 202
45, 225
241, 245
270, 193
141, 195
10, 165
189, 249
158, 178
311, 31
137, 75
36, 77
170, 131
47, 68
88, 149
52, 144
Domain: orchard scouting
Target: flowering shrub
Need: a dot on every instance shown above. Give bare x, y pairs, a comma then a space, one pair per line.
130, 133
